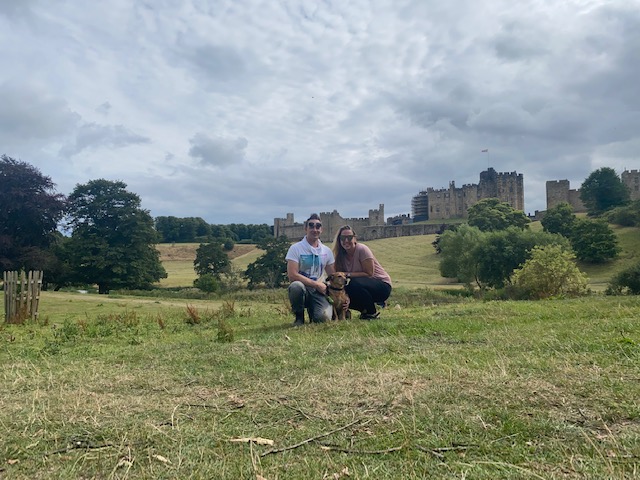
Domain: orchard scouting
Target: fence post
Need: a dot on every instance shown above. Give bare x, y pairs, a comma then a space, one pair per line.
21, 300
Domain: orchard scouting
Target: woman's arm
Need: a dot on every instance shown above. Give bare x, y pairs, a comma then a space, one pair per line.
367, 269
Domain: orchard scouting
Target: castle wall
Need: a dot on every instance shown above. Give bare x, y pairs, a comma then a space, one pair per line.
558, 191
455, 202
452, 202
631, 178
331, 223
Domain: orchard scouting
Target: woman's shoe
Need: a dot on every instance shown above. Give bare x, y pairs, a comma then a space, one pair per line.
369, 316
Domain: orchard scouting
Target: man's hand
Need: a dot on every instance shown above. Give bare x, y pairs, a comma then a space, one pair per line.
321, 287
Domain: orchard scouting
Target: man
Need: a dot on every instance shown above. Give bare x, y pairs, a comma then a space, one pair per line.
307, 260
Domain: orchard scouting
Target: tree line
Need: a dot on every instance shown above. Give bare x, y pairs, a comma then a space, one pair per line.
99, 234
195, 229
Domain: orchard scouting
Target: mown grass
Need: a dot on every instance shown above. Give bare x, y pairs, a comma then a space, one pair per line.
135, 389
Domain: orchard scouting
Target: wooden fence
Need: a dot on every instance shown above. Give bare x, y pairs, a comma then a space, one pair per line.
21, 295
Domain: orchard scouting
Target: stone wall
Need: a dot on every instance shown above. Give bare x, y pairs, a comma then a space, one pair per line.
559, 191
331, 223
631, 178
454, 202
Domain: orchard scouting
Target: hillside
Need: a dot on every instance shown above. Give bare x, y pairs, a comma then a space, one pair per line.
411, 261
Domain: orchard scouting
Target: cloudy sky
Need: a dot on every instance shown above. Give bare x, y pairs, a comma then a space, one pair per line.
239, 111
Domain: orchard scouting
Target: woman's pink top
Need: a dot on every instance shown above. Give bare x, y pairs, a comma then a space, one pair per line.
361, 254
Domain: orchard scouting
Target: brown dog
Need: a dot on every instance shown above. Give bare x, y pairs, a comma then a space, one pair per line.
337, 296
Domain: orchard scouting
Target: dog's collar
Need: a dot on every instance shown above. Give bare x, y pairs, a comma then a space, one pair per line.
334, 288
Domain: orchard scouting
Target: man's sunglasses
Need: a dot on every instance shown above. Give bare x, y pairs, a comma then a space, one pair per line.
314, 225
347, 238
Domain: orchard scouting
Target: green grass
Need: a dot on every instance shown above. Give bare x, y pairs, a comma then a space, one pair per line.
129, 388
439, 387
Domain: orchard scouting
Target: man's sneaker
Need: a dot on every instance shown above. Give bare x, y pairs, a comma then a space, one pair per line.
299, 319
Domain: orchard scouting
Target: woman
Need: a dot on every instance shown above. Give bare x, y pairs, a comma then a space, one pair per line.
369, 283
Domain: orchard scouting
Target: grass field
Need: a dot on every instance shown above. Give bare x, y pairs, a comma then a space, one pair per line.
132, 388
126, 387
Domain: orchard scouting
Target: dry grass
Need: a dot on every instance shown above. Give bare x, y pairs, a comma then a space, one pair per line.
475, 390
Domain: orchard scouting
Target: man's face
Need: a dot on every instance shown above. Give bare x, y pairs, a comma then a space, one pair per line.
314, 229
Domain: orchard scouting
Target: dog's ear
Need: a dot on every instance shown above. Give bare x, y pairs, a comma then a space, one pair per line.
330, 277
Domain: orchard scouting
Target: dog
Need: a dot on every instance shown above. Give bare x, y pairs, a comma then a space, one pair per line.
337, 296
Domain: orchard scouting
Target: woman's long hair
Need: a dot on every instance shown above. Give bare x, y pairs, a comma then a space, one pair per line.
339, 253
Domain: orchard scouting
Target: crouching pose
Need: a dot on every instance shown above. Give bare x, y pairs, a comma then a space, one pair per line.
369, 283
307, 260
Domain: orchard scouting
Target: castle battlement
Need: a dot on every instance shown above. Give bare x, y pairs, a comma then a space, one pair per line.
454, 202
331, 223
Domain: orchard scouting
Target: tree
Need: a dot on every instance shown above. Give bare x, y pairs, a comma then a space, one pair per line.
626, 281
603, 189
271, 267
593, 241
489, 258
113, 239
559, 219
506, 250
490, 214
211, 259
30, 210
457, 251
550, 271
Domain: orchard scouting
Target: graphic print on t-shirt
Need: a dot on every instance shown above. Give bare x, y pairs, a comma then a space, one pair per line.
310, 266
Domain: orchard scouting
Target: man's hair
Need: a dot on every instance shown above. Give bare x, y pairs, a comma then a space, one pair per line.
313, 216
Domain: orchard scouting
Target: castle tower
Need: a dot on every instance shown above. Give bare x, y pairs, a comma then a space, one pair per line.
420, 207
631, 178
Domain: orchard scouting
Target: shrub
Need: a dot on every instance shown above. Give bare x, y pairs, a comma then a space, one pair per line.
627, 216
626, 282
207, 283
550, 272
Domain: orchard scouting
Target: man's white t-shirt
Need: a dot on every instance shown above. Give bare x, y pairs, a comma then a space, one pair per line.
311, 260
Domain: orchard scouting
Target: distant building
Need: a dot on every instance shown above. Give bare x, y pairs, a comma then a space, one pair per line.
367, 228
454, 202
559, 191
331, 223
631, 178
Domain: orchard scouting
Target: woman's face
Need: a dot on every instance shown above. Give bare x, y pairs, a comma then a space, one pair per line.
347, 240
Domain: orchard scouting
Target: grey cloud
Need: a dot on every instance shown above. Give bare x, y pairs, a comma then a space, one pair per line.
91, 135
31, 113
104, 109
16, 8
218, 151
613, 65
520, 42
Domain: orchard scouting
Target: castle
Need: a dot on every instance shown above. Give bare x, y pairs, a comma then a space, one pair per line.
452, 202
367, 228
446, 203
559, 191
